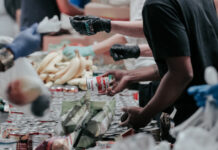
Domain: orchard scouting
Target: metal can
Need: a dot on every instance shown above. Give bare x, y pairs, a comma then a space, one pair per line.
98, 84
68, 90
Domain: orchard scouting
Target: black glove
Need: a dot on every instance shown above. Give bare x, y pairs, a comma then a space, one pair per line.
39, 106
119, 52
90, 25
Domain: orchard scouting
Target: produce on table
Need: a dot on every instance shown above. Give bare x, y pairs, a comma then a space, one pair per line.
55, 69
85, 120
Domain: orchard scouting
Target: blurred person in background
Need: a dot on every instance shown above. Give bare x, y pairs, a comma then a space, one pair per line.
34, 11
9, 20
9, 17
79, 3
25, 43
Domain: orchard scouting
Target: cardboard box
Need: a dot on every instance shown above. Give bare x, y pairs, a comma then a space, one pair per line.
81, 40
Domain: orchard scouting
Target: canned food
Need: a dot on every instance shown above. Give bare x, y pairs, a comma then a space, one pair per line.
70, 89
98, 84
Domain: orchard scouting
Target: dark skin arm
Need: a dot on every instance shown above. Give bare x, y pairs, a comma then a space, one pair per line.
124, 78
172, 85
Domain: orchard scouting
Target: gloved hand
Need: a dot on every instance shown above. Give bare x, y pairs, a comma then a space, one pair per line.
201, 92
90, 25
69, 51
119, 52
26, 42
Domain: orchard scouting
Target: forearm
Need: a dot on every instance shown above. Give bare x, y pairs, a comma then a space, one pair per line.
105, 45
149, 73
171, 87
129, 28
18, 14
145, 50
65, 7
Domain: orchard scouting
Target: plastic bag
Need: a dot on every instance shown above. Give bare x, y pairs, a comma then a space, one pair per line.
21, 69
139, 141
49, 25
195, 139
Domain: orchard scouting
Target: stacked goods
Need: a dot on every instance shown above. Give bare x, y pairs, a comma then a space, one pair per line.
84, 123
55, 69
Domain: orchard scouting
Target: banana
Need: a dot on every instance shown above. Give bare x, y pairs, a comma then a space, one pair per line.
82, 67
46, 61
51, 66
75, 81
88, 63
61, 72
43, 76
72, 71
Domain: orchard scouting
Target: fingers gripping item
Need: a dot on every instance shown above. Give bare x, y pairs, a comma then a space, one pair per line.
72, 71
90, 25
119, 52
124, 117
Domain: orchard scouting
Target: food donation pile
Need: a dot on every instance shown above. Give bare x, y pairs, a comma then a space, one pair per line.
55, 69
84, 121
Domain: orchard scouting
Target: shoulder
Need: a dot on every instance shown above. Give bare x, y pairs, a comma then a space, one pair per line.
157, 2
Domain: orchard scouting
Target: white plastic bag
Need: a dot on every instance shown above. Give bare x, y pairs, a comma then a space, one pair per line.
21, 69
49, 25
139, 141
195, 139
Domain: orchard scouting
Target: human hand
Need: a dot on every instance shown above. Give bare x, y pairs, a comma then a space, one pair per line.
69, 51
26, 42
201, 92
90, 25
119, 52
119, 83
136, 118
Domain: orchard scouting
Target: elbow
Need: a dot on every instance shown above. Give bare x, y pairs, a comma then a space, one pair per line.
187, 77
120, 39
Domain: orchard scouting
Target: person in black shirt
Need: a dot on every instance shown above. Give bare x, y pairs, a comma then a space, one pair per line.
183, 37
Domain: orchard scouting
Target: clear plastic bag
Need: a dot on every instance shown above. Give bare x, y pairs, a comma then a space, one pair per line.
21, 69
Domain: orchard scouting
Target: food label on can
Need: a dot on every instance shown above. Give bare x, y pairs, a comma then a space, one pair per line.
98, 84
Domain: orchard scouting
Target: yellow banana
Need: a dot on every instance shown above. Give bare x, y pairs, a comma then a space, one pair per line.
46, 61
72, 71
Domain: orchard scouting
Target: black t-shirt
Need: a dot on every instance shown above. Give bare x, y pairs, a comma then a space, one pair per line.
176, 28
34, 11
12, 6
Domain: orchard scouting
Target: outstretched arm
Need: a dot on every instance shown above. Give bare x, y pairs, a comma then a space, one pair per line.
129, 28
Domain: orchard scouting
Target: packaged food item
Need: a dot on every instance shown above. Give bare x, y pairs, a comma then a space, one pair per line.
55, 143
98, 84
